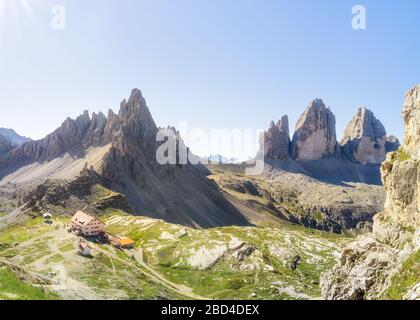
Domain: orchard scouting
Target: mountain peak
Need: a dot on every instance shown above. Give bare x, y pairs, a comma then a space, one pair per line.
277, 140
136, 94
315, 136
364, 139
283, 124
135, 101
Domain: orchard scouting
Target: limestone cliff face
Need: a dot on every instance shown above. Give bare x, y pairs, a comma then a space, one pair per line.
400, 171
370, 267
365, 140
315, 136
277, 140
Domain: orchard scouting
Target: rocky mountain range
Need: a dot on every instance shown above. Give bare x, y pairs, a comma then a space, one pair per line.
122, 149
385, 264
365, 140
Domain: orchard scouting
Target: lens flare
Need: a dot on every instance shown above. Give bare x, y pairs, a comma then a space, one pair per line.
14, 7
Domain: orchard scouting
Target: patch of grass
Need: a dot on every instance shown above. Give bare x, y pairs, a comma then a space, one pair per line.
16, 234
235, 284
136, 236
400, 155
11, 288
67, 247
106, 273
317, 215
98, 192
55, 259
406, 278
8, 253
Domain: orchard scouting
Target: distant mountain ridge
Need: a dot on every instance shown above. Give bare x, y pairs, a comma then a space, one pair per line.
315, 151
13, 137
9, 140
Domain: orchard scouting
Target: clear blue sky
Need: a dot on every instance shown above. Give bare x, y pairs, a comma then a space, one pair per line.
213, 63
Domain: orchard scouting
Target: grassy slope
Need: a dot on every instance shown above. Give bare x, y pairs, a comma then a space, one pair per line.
168, 249
405, 279
11, 288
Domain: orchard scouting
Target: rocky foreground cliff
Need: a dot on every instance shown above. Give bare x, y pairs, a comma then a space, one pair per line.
386, 263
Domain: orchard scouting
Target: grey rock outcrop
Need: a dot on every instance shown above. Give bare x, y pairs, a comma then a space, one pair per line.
372, 266
391, 143
62, 194
277, 140
315, 136
411, 114
365, 140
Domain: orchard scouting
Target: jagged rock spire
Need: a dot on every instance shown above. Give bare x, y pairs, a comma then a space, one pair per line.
76, 135
315, 136
277, 140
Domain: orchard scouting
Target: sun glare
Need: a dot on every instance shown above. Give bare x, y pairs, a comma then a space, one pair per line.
15, 6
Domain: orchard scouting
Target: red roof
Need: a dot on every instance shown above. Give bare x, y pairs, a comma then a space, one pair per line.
83, 245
